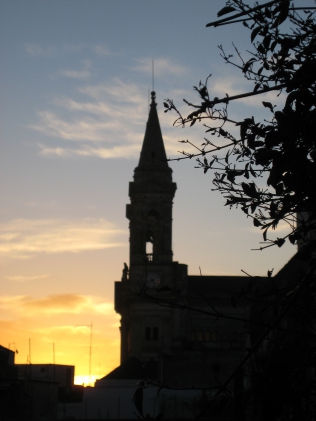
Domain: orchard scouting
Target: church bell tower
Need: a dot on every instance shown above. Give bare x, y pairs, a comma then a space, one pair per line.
146, 328
151, 194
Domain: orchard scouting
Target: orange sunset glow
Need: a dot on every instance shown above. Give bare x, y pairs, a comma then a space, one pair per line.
60, 343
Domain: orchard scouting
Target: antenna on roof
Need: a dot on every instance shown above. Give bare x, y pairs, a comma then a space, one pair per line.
153, 75
90, 348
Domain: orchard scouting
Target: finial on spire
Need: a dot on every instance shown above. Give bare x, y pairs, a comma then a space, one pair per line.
153, 95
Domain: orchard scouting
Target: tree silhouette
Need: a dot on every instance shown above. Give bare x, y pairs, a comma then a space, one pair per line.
268, 169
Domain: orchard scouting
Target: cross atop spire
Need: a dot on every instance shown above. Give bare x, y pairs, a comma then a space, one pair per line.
153, 152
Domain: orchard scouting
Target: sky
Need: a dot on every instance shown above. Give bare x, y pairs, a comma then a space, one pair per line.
74, 80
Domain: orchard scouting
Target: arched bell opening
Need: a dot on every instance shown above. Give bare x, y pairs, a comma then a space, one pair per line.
150, 238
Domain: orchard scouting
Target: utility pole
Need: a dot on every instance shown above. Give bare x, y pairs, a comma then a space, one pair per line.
54, 365
90, 353
30, 360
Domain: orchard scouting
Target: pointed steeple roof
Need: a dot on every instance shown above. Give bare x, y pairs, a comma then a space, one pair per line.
153, 152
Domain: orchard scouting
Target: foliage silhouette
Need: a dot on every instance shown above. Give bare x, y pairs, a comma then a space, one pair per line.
268, 169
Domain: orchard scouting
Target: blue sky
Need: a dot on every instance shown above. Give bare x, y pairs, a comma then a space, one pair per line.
74, 78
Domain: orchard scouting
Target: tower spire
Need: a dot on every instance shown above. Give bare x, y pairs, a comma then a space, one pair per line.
153, 152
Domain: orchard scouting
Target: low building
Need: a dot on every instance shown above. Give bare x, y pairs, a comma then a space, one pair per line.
24, 397
62, 375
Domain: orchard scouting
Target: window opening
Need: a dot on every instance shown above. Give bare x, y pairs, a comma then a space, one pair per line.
147, 333
128, 342
214, 336
216, 370
207, 336
199, 335
155, 333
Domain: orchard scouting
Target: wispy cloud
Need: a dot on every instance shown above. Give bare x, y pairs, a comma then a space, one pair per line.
56, 304
38, 50
23, 278
107, 122
114, 116
76, 74
35, 49
162, 67
79, 128
24, 238
128, 151
122, 92
85, 73
101, 50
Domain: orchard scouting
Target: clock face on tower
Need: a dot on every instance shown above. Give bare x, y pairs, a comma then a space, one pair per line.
153, 280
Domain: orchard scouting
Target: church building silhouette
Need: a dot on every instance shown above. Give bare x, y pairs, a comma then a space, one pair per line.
187, 330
